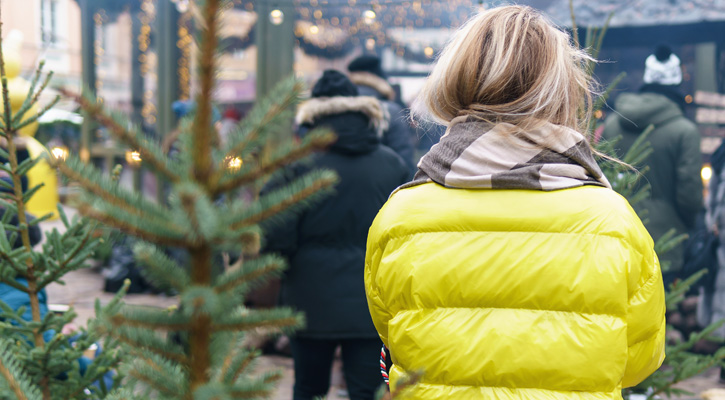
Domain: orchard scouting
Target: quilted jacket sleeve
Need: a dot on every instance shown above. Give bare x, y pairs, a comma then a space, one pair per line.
378, 311
645, 317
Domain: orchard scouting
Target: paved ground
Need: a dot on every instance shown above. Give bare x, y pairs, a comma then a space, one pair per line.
84, 286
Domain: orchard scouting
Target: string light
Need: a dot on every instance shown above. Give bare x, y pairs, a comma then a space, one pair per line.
370, 44
369, 17
276, 17
147, 17
428, 51
133, 158
182, 6
233, 163
59, 152
184, 44
314, 29
99, 18
706, 173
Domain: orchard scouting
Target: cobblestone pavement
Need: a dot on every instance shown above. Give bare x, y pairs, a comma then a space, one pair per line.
83, 287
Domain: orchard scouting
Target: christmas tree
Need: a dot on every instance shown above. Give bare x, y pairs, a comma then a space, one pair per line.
38, 358
194, 351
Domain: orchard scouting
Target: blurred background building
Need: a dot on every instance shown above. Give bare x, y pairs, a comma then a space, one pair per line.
138, 54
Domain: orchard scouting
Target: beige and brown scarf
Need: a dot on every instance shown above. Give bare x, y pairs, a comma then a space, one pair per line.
478, 155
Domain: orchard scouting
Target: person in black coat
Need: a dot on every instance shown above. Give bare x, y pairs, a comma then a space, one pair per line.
367, 74
325, 244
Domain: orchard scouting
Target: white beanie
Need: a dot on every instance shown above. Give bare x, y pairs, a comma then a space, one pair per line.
665, 72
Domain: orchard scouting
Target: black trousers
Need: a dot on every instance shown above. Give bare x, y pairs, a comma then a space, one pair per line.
313, 365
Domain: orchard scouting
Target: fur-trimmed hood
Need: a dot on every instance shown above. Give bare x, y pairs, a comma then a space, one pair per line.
358, 122
313, 109
374, 82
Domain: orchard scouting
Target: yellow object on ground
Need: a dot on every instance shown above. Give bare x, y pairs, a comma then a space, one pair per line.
46, 199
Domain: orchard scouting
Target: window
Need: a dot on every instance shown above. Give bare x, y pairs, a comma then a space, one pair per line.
49, 22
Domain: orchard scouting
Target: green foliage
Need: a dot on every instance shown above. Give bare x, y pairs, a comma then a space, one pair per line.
37, 360
195, 350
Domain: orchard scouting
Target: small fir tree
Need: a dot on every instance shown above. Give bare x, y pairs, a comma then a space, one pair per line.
37, 360
680, 363
195, 351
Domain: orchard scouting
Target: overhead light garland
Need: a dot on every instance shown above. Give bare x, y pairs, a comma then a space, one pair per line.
147, 17
184, 44
363, 23
98, 52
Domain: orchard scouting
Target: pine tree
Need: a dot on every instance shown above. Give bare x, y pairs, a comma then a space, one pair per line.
195, 351
37, 360
680, 363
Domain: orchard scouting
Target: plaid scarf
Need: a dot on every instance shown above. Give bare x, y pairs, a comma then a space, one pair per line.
478, 155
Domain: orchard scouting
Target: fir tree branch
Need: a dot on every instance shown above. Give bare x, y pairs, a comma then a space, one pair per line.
253, 319
574, 28
158, 384
62, 267
155, 321
13, 283
251, 271
35, 117
148, 343
32, 290
109, 196
246, 326
29, 101
258, 388
262, 116
12, 382
148, 153
161, 270
600, 38
307, 187
126, 227
17, 379
93, 181
602, 100
312, 142
236, 363
11, 263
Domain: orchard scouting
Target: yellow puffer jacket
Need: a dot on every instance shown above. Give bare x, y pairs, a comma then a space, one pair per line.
515, 294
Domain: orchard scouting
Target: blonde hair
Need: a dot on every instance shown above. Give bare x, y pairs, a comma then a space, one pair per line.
509, 64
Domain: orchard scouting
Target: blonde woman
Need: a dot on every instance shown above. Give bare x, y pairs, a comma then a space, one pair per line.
509, 268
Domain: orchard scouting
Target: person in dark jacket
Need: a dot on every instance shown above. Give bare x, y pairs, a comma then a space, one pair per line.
674, 165
325, 244
368, 75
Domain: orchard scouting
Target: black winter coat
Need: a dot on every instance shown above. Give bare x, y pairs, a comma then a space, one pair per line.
399, 135
325, 244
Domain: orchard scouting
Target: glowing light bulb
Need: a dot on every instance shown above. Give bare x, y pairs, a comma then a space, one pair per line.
706, 173
133, 158
370, 44
234, 163
182, 6
428, 51
369, 16
276, 17
59, 152
314, 29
